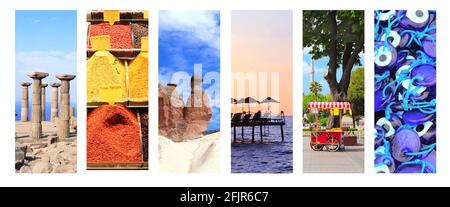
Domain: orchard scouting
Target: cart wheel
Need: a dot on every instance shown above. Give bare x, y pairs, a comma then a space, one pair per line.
332, 144
316, 147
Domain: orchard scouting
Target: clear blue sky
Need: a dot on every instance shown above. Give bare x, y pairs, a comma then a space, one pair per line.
187, 38
45, 41
320, 67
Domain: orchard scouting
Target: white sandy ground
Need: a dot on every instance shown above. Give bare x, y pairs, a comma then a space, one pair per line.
193, 156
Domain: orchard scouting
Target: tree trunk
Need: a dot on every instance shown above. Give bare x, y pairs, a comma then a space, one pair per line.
336, 96
338, 91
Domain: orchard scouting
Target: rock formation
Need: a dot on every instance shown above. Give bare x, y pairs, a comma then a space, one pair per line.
179, 121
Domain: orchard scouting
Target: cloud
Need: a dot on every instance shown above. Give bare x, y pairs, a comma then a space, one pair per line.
165, 75
306, 50
317, 70
49, 61
195, 26
306, 67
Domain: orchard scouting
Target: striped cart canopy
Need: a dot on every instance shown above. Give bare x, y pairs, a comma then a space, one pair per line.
329, 105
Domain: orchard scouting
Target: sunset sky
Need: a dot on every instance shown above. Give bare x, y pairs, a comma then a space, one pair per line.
261, 41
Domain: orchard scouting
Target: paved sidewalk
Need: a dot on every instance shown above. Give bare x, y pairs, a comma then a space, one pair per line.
349, 161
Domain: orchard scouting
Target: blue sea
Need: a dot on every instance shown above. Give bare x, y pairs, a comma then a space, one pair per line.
272, 156
48, 106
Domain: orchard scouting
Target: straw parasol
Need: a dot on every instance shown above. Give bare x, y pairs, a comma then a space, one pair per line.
248, 101
268, 101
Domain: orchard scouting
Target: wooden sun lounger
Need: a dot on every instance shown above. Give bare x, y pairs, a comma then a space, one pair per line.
247, 120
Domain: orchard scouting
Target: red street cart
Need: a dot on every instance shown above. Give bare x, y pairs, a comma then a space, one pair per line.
328, 139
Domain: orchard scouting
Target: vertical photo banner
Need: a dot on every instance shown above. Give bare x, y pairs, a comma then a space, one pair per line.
405, 91
261, 89
117, 90
333, 91
46, 92
189, 91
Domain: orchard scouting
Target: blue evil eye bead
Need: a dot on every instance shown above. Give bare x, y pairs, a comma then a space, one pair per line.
429, 44
397, 38
408, 84
416, 93
385, 15
382, 83
432, 18
427, 132
430, 158
426, 74
421, 129
380, 134
413, 168
405, 38
429, 48
403, 70
426, 164
405, 91
415, 117
392, 37
387, 126
421, 97
380, 100
414, 19
416, 167
403, 58
385, 160
385, 57
381, 169
396, 109
432, 94
405, 141
396, 121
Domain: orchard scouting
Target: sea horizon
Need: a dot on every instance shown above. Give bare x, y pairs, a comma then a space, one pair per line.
48, 106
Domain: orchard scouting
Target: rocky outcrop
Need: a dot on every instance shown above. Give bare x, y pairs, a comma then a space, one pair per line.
43, 158
179, 121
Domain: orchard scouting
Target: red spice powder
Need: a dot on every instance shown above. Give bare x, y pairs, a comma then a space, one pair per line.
113, 135
119, 34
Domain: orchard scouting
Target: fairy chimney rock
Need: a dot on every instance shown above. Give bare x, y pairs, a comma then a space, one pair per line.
180, 122
197, 111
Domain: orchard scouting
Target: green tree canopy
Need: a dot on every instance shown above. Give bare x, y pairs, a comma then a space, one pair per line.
315, 88
310, 98
338, 35
356, 92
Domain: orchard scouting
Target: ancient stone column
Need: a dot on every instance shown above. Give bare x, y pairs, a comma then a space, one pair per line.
43, 86
71, 116
54, 110
36, 114
64, 108
24, 111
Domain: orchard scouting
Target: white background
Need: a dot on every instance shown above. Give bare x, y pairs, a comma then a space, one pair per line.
8, 177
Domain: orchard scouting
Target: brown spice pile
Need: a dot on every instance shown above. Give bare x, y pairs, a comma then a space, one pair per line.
139, 30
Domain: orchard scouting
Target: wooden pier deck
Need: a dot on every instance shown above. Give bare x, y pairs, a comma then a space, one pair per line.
255, 120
